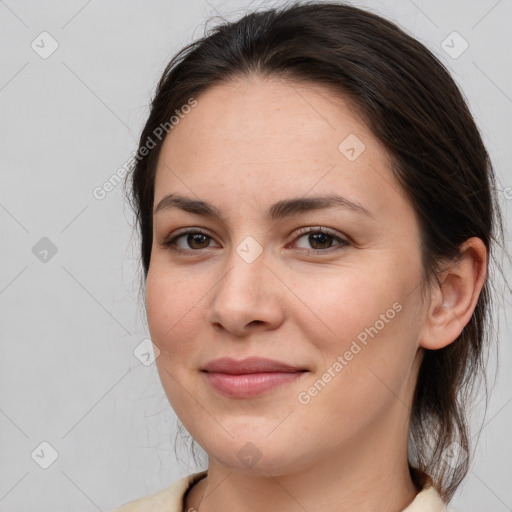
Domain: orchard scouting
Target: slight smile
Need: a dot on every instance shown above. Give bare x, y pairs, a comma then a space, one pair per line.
249, 377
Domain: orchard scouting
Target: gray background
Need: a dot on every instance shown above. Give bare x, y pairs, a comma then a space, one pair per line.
70, 320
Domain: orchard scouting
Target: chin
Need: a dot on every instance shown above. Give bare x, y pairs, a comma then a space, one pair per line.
258, 455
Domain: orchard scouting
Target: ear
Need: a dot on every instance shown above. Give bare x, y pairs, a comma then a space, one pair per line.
454, 299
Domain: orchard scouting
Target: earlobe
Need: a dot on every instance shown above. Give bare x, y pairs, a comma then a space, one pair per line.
455, 297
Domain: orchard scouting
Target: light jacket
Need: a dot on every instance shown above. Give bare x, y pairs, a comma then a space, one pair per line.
171, 498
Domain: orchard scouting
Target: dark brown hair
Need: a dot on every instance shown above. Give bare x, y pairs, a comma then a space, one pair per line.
414, 108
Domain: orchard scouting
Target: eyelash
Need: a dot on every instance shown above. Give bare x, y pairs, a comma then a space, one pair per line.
171, 242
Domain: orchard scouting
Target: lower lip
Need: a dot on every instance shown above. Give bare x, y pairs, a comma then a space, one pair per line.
249, 384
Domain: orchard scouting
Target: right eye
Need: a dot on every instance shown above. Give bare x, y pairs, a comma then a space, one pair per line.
192, 238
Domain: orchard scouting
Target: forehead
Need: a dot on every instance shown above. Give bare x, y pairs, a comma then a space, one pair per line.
257, 138
241, 115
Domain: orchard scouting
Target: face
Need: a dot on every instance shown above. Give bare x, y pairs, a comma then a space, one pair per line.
332, 290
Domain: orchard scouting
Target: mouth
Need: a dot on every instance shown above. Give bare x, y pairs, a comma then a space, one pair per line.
249, 377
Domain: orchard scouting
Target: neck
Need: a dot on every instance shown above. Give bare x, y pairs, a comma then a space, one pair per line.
366, 473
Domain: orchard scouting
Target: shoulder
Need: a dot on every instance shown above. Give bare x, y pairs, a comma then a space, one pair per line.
427, 500
169, 499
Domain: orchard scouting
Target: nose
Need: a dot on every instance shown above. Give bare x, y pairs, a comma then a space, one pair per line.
247, 298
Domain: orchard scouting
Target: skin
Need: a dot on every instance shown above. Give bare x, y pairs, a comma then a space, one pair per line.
246, 145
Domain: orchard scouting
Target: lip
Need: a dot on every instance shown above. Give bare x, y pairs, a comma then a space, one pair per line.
249, 377
249, 365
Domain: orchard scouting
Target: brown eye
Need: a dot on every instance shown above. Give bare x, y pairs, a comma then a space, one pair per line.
194, 241
320, 239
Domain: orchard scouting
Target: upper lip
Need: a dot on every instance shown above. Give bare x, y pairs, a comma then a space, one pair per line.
248, 365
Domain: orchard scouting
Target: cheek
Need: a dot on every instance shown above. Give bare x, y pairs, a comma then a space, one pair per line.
173, 307
363, 315
174, 319
342, 302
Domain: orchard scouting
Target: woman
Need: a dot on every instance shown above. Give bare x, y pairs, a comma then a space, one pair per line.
316, 210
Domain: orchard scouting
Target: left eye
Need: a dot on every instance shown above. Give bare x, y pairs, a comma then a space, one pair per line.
322, 238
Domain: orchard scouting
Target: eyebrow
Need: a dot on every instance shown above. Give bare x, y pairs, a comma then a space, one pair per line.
277, 211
